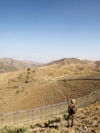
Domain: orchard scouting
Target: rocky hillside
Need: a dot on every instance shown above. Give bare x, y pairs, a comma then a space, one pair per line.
87, 120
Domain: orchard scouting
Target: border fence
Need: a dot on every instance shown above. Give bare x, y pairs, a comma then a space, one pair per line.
26, 117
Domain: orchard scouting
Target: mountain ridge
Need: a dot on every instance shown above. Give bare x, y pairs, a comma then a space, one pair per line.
10, 64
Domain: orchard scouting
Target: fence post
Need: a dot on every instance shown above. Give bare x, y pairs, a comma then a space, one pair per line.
27, 116
1, 120
17, 118
40, 113
45, 112
32, 115
60, 108
51, 110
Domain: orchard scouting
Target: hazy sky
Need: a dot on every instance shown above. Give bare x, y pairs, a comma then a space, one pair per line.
46, 30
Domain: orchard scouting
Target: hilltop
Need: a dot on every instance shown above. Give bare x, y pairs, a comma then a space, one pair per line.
72, 67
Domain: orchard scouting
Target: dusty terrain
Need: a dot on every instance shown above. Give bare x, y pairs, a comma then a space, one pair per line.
40, 86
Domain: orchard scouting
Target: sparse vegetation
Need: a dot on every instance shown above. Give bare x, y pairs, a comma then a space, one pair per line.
38, 125
28, 73
33, 71
57, 119
28, 69
27, 77
15, 86
13, 80
26, 81
31, 126
7, 129
65, 116
17, 91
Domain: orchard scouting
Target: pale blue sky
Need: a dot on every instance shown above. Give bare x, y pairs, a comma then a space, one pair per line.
46, 30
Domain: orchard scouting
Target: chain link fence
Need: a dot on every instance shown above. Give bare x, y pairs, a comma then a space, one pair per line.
26, 117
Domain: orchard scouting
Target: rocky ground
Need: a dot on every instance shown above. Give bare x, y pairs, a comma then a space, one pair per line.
87, 121
89, 118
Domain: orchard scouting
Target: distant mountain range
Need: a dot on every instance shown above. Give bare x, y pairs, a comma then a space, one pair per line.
9, 64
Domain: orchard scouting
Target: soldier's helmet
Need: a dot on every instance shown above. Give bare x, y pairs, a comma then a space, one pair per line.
73, 101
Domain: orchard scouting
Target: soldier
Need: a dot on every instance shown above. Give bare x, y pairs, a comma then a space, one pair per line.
72, 109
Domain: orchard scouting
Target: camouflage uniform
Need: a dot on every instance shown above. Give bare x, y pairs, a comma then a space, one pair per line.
72, 109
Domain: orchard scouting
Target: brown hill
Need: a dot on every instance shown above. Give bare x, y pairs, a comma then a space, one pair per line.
8, 64
40, 86
65, 61
71, 67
